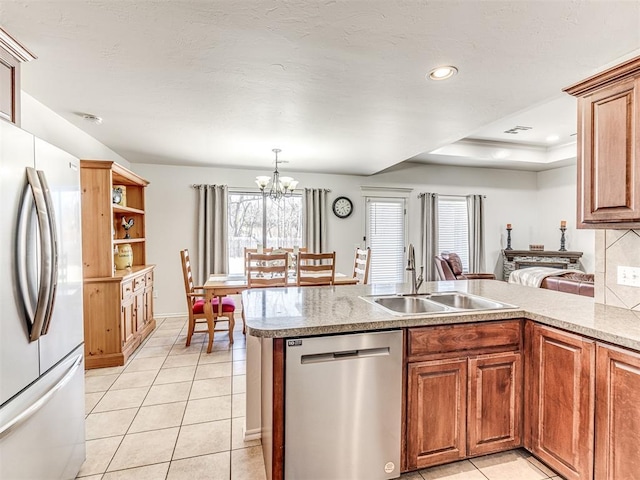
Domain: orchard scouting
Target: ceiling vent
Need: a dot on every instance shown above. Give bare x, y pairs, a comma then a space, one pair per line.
517, 129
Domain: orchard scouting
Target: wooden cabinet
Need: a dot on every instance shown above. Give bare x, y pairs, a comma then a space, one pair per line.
437, 410
560, 400
118, 304
466, 405
609, 147
617, 442
12, 55
495, 403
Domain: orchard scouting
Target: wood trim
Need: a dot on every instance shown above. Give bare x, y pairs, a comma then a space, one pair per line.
405, 396
15, 48
611, 75
278, 409
438, 342
527, 436
121, 175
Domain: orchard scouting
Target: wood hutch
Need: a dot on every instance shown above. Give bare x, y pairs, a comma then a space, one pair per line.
118, 304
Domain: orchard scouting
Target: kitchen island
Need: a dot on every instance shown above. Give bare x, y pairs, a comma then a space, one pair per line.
563, 357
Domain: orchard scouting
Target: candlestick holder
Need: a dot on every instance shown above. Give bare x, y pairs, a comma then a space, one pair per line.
562, 239
508, 239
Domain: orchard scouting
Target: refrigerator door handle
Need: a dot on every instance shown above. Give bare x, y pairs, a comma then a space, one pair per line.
53, 249
35, 324
28, 412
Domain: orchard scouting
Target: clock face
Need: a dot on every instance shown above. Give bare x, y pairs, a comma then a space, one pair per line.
342, 207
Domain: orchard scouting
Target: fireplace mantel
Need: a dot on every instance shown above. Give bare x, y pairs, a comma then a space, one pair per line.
573, 257
516, 259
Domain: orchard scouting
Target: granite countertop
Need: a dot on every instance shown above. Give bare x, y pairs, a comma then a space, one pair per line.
307, 311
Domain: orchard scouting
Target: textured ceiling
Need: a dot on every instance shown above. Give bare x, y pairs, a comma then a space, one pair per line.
339, 86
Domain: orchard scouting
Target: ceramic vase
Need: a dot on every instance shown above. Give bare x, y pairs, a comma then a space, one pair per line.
124, 257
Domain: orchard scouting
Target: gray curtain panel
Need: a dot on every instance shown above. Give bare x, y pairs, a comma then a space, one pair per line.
212, 231
429, 234
475, 209
315, 217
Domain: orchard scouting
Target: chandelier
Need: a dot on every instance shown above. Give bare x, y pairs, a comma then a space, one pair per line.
280, 186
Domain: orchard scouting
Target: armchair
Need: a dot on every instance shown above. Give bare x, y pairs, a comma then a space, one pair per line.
449, 267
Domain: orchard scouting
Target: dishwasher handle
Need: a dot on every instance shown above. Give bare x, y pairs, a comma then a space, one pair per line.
344, 355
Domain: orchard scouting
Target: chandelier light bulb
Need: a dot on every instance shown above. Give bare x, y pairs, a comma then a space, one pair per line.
280, 186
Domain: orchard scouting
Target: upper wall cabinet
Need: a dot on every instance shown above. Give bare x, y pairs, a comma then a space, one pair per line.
609, 147
12, 54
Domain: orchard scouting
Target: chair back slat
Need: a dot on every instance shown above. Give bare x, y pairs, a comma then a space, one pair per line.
187, 276
266, 250
316, 269
267, 270
361, 265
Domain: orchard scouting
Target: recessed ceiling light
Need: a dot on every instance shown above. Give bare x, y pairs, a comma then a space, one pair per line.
442, 73
89, 117
500, 154
553, 138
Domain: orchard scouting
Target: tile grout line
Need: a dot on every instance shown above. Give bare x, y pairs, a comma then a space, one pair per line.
139, 408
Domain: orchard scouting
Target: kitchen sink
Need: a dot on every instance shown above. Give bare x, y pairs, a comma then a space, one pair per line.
467, 302
435, 303
412, 304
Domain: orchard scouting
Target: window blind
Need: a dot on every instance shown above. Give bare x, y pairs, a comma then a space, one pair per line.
453, 228
385, 234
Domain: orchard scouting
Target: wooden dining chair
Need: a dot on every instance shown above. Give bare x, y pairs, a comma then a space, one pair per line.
361, 265
221, 308
248, 250
265, 270
316, 269
289, 250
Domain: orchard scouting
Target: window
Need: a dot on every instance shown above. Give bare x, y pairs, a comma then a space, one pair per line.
385, 235
453, 227
254, 219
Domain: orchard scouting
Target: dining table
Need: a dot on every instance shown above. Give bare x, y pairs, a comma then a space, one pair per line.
234, 284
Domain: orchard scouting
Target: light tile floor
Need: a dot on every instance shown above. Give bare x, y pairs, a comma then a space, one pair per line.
175, 412
172, 412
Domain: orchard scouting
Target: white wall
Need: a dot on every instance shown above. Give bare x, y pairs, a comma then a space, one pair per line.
557, 199
171, 218
44, 123
533, 202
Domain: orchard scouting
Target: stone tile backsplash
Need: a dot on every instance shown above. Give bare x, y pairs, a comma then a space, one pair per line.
616, 248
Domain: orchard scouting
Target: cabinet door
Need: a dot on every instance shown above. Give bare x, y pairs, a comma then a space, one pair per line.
436, 412
139, 311
609, 154
148, 304
494, 421
561, 405
617, 414
127, 319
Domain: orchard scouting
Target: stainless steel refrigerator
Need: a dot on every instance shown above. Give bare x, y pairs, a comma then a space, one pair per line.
41, 338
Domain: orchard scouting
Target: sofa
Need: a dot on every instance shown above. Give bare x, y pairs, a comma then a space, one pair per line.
571, 282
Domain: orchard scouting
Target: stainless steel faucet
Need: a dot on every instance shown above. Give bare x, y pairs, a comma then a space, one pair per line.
411, 267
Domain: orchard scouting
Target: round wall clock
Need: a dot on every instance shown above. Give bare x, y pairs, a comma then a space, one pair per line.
342, 207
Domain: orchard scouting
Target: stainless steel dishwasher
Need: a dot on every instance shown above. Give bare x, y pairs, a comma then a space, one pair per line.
343, 401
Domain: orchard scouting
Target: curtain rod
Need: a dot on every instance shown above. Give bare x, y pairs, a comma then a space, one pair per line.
195, 185
420, 195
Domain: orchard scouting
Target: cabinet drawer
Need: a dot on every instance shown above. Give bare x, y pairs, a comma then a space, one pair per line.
127, 289
441, 340
138, 282
149, 278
